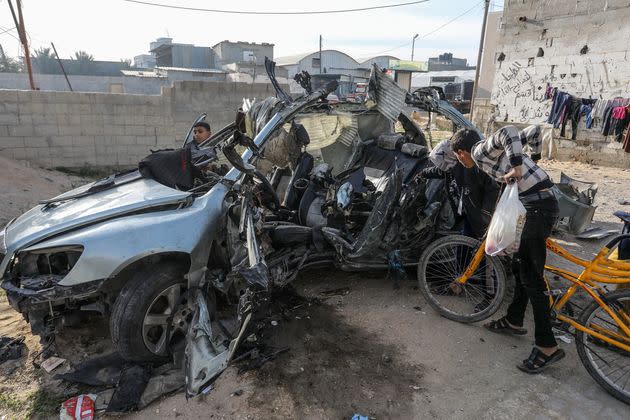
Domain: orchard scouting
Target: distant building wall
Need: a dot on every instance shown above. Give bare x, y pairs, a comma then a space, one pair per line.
228, 52
577, 46
74, 129
488, 58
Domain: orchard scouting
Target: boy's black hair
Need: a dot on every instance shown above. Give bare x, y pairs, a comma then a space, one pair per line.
202, 124
464, 139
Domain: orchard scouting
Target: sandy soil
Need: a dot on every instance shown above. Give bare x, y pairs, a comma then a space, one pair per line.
376, 351
23, 185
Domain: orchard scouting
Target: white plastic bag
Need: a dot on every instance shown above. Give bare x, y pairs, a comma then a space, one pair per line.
506, 226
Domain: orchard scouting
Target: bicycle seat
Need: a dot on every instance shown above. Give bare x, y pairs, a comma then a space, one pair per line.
623, 215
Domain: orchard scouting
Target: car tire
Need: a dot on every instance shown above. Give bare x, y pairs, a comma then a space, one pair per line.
160, 286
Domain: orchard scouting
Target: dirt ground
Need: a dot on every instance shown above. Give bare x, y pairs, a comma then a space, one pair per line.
375, 350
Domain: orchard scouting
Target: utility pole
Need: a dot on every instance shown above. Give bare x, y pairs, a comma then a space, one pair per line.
19, 24
320, 54
481, 41
64, 70
413, 45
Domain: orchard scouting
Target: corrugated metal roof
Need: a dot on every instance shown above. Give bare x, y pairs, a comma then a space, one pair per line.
288, 60
324, 130
296, 58
390, 98
192, 70
367, 61
142, 73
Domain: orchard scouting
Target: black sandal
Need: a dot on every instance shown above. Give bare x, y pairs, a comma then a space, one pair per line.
539, 361
501, 326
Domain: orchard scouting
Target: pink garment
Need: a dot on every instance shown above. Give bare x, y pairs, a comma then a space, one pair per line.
619, 112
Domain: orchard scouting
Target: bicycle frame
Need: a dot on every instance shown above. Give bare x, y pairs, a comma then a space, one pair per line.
599, 270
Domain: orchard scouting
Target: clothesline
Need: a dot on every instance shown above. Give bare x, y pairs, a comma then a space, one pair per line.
610, 116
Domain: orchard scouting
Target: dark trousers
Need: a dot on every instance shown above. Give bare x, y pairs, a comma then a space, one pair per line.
529, 267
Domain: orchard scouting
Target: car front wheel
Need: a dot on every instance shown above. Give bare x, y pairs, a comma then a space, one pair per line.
151, 315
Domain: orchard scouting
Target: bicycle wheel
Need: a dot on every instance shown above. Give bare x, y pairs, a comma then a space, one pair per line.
607, 364
443, 262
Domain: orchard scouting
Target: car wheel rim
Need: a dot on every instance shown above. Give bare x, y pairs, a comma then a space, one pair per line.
171, 305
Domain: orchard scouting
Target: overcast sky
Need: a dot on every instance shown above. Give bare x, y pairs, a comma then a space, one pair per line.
116, 29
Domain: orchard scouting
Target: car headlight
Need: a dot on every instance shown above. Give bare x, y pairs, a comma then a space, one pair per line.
43, 268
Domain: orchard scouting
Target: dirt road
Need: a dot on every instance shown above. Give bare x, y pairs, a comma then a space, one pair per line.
376, 351
385, 353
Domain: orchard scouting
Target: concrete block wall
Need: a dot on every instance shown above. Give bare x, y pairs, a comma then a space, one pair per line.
559, 30
74, 129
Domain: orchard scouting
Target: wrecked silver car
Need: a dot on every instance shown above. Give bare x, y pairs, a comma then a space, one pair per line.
175, 254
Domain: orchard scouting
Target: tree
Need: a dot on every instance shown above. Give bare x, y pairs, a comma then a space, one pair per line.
8, 64
44, 53
83, 56
126, 62
44, 61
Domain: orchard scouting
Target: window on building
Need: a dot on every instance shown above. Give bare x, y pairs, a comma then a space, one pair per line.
316, 63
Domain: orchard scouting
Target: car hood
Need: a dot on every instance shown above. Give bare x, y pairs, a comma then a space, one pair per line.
46, 220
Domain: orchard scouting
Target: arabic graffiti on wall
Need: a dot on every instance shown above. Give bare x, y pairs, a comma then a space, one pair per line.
519, 88
520, 94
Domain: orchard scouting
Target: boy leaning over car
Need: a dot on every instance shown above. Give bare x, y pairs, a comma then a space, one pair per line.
501, 156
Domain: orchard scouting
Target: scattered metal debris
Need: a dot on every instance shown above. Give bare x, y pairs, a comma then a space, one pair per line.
11, 348
52, 363
596, 233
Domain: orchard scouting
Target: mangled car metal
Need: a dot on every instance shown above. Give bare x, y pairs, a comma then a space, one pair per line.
188, 257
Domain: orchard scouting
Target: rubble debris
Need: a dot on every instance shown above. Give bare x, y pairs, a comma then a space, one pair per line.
160, 384
100, 371
52, 363
131, 385
103, 398
11, 348
237, 393
80, 407
596, 233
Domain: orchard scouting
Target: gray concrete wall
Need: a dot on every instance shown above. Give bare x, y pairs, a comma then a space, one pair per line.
488, 69
73, 129
561, 29
103, 84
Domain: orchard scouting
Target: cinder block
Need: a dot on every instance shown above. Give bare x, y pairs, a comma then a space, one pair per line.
8, 96
62, 141
70, 130
11, 142
20, 153
134, 130
8, 107
126, 140
46, 129
9, 119
21, 130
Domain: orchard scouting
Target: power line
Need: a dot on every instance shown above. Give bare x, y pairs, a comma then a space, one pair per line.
433, 31
452, 20
258, 12
6, 30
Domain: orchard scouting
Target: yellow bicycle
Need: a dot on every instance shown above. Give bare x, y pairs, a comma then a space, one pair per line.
464, 284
